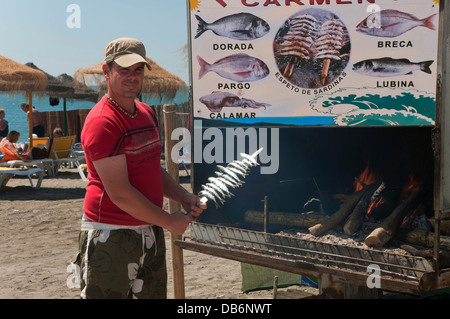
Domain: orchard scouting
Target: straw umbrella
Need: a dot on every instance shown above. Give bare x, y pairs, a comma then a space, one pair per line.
63, 87
16, 77
158, 82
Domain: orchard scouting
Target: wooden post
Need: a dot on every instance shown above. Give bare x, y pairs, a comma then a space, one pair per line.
172, 168
30, 119
65, 118
266, 214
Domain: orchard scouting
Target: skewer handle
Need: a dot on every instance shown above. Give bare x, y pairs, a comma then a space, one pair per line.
203, 200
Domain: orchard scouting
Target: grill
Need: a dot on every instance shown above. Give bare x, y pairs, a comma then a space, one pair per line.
332, 158
398, 272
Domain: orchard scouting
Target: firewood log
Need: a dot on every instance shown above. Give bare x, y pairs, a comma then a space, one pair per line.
444, 257
422, 238
359, 212
390, 197
388, 227
304, 220
445, 226
425, 253
346, 207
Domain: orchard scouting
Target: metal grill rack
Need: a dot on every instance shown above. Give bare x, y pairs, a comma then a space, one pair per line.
398, 272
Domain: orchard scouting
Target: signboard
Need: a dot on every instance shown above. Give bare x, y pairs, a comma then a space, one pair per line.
314, 62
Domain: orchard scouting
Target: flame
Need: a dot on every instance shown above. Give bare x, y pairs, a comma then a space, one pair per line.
367, 177
412, 184
374, 205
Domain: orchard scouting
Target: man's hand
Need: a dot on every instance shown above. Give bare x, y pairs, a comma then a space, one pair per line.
192, 205
179, 223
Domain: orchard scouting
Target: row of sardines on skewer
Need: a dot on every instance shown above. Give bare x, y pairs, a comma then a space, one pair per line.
228, 177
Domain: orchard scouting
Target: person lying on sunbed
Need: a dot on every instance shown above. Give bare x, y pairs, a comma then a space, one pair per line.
9, 150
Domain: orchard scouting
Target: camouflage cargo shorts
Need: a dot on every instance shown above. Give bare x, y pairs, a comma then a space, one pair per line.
121, 263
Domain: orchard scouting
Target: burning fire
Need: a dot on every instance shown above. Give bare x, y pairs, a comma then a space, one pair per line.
375, 204
367, 177
411, 185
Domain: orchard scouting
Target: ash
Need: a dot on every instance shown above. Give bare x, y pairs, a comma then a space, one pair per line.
339, 238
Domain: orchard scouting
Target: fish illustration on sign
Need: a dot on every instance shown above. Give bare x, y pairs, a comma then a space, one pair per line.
240, 26
238, 67
218, 100
392, 23
386, 67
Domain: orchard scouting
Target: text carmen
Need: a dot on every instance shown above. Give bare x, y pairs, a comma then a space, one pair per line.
251, 3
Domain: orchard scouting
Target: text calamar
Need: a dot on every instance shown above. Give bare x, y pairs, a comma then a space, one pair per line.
266, 3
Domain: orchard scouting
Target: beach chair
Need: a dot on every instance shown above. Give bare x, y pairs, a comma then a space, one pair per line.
81, 168
39, 141
61, 151
45, 164
6, 172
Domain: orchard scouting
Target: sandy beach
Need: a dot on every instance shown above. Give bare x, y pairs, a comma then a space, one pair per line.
40, 237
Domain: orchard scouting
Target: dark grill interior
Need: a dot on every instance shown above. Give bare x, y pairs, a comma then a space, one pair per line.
318, 162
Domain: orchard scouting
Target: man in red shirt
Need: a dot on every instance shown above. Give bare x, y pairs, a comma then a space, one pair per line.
122, 251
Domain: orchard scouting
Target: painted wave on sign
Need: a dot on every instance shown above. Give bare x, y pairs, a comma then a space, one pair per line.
370, 106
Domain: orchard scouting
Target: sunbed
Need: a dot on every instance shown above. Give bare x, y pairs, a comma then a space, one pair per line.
5, 171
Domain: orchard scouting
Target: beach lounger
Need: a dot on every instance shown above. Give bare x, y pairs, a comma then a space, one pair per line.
45, 164
39, 141
81, 168
61, 151
5, 171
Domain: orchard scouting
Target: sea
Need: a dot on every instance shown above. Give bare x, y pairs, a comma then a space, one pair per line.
346, 107
17, 118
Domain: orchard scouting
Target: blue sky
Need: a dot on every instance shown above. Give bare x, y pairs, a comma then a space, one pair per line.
37, 31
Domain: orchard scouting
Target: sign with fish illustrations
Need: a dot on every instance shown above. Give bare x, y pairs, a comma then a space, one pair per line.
314, 62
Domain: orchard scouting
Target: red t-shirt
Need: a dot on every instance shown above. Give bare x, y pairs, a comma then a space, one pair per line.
108, 132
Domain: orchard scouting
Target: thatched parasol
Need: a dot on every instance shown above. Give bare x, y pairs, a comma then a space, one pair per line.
63, 87
158, 82
15, 77
54, 86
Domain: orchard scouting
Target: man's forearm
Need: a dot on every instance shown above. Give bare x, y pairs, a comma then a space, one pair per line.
172, 189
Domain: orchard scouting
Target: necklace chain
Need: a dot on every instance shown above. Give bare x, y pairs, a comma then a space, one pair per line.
122, 109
